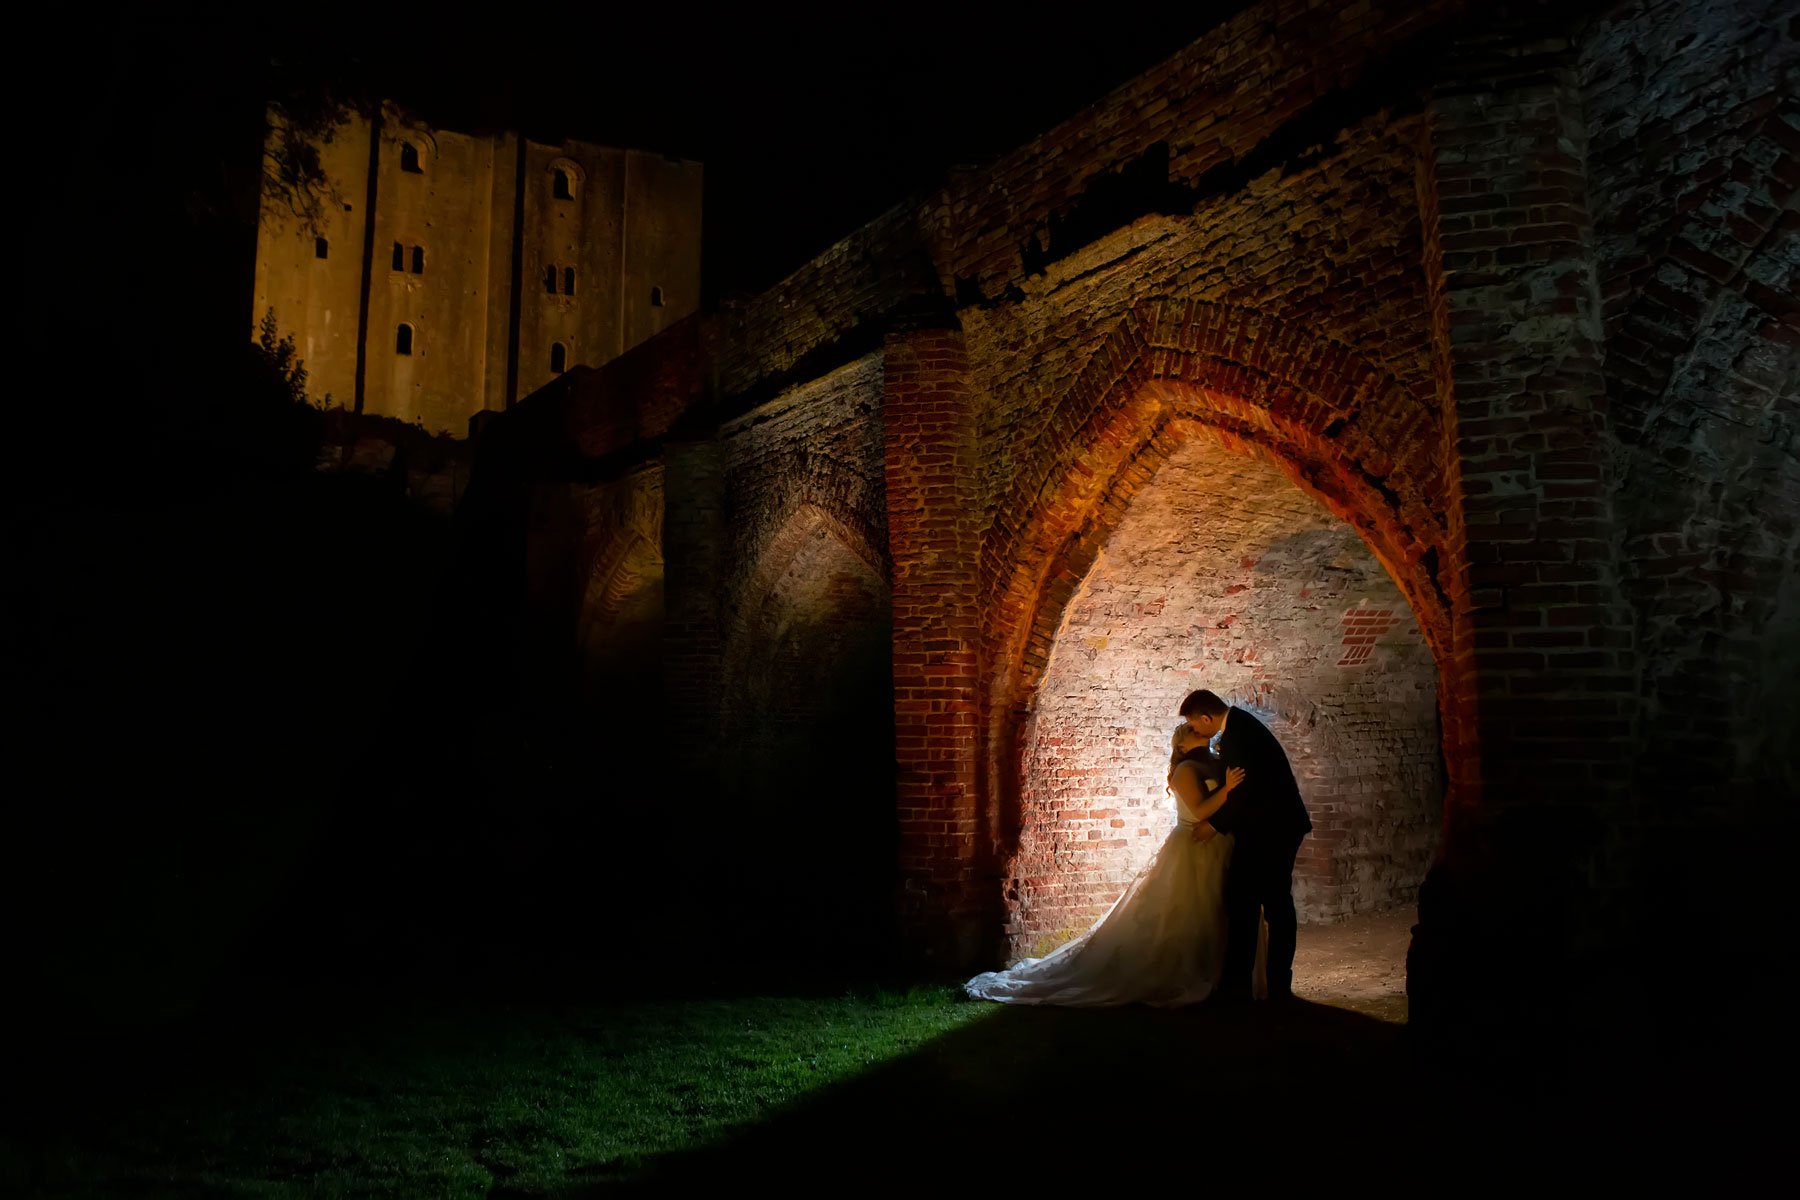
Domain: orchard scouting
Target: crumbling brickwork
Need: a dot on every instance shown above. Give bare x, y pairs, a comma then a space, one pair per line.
1694, 160
1223, 574
1487, 316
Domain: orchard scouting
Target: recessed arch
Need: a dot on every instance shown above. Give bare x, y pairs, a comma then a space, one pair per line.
618, 622
415, 146
807, 727
1337, 426
807, 519
565, 178
1221, 573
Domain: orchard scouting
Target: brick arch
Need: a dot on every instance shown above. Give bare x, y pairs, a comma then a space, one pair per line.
805, 517
623, 541
618, 572
1343, 430
621, 579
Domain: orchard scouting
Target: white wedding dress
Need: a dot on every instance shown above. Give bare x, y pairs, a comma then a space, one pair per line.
1161, 943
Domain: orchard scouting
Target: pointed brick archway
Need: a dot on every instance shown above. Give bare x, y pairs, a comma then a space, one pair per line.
1221, 573
621, 593
814, 528
1466, 314
1346, 433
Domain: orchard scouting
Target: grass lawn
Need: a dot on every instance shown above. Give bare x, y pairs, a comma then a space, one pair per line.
533, 1100
864, 1093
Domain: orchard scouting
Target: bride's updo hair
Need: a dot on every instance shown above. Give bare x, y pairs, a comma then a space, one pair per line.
1187, 746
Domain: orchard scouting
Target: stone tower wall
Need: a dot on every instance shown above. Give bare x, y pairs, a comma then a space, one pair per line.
478, 226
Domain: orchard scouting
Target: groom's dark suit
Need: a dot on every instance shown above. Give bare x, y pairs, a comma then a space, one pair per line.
1269, 819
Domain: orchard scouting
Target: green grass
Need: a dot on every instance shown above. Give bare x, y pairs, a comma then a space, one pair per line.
864, 1094
533, 1101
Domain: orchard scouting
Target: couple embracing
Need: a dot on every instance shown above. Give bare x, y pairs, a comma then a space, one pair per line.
1187, 928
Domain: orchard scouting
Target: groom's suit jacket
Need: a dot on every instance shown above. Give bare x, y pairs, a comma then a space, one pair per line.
1265, 810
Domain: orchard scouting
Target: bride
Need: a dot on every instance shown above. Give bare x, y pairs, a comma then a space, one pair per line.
1163, 941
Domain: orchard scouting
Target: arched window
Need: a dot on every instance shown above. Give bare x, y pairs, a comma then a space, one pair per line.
656, 298
409, 158
559, 185
558, 357
418, 260
399, 257
568, 281
550, 279
321, 248
403, 339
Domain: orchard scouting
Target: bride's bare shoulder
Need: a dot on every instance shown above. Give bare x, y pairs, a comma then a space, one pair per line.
1194, 774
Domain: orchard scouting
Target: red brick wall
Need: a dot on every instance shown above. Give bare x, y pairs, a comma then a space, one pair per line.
619, 619
1694, 160
805, 733
934, 532
1255, 387
1222, 574
817, 447
1213, 103
1518, 311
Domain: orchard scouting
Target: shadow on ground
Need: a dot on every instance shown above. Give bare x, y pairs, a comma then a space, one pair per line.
1046, 1099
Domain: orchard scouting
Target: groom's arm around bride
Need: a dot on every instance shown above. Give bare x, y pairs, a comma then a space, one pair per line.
1269, 820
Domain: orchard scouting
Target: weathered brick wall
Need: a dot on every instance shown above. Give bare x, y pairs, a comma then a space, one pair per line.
1325, 250
1278, 297
806, 735
801, 584
781, 332
1694, 158
1542, 640
1198, 127
619, 613
1507, 291
1223, 574
934, 533
816, 447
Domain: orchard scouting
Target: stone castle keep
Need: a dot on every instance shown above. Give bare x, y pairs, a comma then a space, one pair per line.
454, 274
1422, 374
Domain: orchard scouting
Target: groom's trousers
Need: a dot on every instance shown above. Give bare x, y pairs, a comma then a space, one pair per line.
1260, 883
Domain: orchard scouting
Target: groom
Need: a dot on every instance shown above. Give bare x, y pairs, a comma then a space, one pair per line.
1269, 819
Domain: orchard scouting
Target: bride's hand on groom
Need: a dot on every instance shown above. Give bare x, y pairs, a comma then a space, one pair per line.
1233, 777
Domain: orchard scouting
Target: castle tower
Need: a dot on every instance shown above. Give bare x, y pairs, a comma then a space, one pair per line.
453, 273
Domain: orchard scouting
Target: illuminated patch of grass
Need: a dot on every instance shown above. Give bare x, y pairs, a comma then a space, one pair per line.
529, 1100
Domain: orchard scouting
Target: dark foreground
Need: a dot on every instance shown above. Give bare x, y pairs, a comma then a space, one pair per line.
879, 1090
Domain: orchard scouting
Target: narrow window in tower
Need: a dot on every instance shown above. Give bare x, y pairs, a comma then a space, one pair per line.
560, 185
656, 300
399, 257
558, 357
321, 248
418, 260
409, 158
403, 339
568, 281
550, 279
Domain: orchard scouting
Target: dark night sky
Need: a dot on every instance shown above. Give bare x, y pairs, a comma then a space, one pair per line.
809, 121
176, 594
151, 120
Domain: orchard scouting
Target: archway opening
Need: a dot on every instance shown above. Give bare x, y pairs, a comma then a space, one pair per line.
1222, 573
619, 633
809, 743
